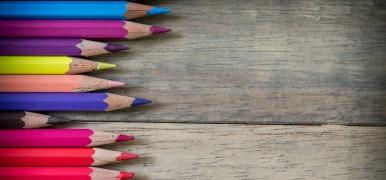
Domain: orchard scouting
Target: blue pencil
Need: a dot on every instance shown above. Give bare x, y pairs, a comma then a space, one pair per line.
76, 10
67, 101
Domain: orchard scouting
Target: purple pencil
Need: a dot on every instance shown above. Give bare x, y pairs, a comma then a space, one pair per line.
88, 29
67, 101
56, 47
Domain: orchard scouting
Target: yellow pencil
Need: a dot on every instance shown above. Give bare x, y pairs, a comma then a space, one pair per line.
48, 65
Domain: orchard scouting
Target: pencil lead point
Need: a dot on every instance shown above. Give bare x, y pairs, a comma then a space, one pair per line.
127, 156
122, 138
105, 66
159, 30
113, 84
158, 10
140, 101
115, 47
126, 175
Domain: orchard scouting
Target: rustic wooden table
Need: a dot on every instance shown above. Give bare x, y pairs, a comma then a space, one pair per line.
235, 83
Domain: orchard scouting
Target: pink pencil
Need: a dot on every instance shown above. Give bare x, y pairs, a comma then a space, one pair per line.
54, 83
58, 138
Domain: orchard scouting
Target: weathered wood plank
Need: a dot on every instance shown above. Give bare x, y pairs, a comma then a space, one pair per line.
267, 61
203, 151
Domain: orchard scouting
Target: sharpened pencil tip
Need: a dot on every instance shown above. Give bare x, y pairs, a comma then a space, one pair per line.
115, 48
159, 30
113, 84
105, 66
122, 138
127, 156
140, 101
158, 10
126, 175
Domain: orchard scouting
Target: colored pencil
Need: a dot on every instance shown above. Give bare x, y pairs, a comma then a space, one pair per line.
88, 29
56, 47
76, 10
76, 157
67, 101
27, 120
54, 83
58, 138
48, 65
62, 173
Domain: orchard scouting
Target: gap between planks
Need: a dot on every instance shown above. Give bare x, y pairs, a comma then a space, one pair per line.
235, 123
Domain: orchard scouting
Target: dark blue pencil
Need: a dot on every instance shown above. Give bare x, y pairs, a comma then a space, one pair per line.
67, 101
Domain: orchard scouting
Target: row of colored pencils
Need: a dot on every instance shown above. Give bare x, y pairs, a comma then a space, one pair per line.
42, 46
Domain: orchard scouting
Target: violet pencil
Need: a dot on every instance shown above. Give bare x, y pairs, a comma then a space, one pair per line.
56, 47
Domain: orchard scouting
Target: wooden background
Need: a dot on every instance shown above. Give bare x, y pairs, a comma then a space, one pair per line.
232, 66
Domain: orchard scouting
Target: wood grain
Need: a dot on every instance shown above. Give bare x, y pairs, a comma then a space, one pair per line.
201, 151
264, 62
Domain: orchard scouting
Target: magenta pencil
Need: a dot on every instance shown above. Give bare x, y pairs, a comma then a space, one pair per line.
88, 29
58, 138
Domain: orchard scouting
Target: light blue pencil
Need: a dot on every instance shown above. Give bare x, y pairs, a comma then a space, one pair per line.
76, 10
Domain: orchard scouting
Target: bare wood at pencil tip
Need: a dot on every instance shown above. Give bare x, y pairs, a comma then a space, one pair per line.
223, 151
264, 62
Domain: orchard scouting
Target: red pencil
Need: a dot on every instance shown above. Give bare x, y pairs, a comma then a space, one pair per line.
75, 157
62, 173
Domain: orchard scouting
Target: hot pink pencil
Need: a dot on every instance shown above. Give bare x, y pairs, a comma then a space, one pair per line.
58, 138
62, 173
